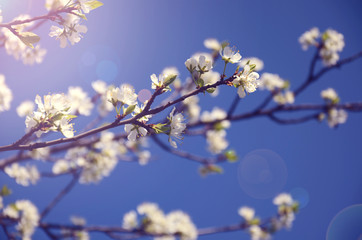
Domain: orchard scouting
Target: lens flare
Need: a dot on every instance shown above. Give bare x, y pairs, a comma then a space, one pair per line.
347, 224
262, 174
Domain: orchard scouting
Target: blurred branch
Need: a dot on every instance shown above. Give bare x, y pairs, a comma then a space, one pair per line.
52, 15
186, 155
61, 194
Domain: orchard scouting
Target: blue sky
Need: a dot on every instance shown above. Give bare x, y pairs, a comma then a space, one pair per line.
130, 40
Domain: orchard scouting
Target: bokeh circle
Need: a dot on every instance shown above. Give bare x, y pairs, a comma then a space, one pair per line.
347, 224
144, 95
100, 62
262, 174
301, 195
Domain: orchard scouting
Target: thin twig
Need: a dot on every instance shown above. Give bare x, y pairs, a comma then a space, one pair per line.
61, 194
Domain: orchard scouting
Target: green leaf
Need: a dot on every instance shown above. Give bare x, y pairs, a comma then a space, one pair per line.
94, 4
252, 67
216, 169
81, 15
57, 117
5, 191
160, 128
295, 206
204, 170
71, 116
129, 110
210, 90
231, 156
200, 82
169, 79
29, 38
254, 221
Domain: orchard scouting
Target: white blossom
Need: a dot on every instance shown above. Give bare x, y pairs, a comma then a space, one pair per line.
1, 199
130, 220
309, 38
333, 42
60, 166
55, 4
134, 131
210, 78
259, 64
283, 199
15, 47
6, 95
330, 95
191, 64
60, 34
25, 108
29, 217
246, 82
147, 208
40, 153
52, 115
82, 235
179, 222
271, 81
257, 233
143, 157
170, 71
23, 175
193, 108
336, 117
99, 87
247, 213
157, 82
78, 221
125, 94
229, 55
95, 164
79, 101
199, 62
284, 98
33, 55
215, 115
104, 107
84, 5
177, 127
213, 44
216, 140
71, 31
176, 222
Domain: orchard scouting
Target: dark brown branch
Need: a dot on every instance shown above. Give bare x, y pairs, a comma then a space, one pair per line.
295, 120
182, 154
47, 16
116, 123
314, 77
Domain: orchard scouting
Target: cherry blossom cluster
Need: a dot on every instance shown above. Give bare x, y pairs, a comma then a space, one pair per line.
258, 230
15, 46
329, 43
27, 216
52, 115
279, 87
334, 116
70, 29
155, 222
19, 40
6, 95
